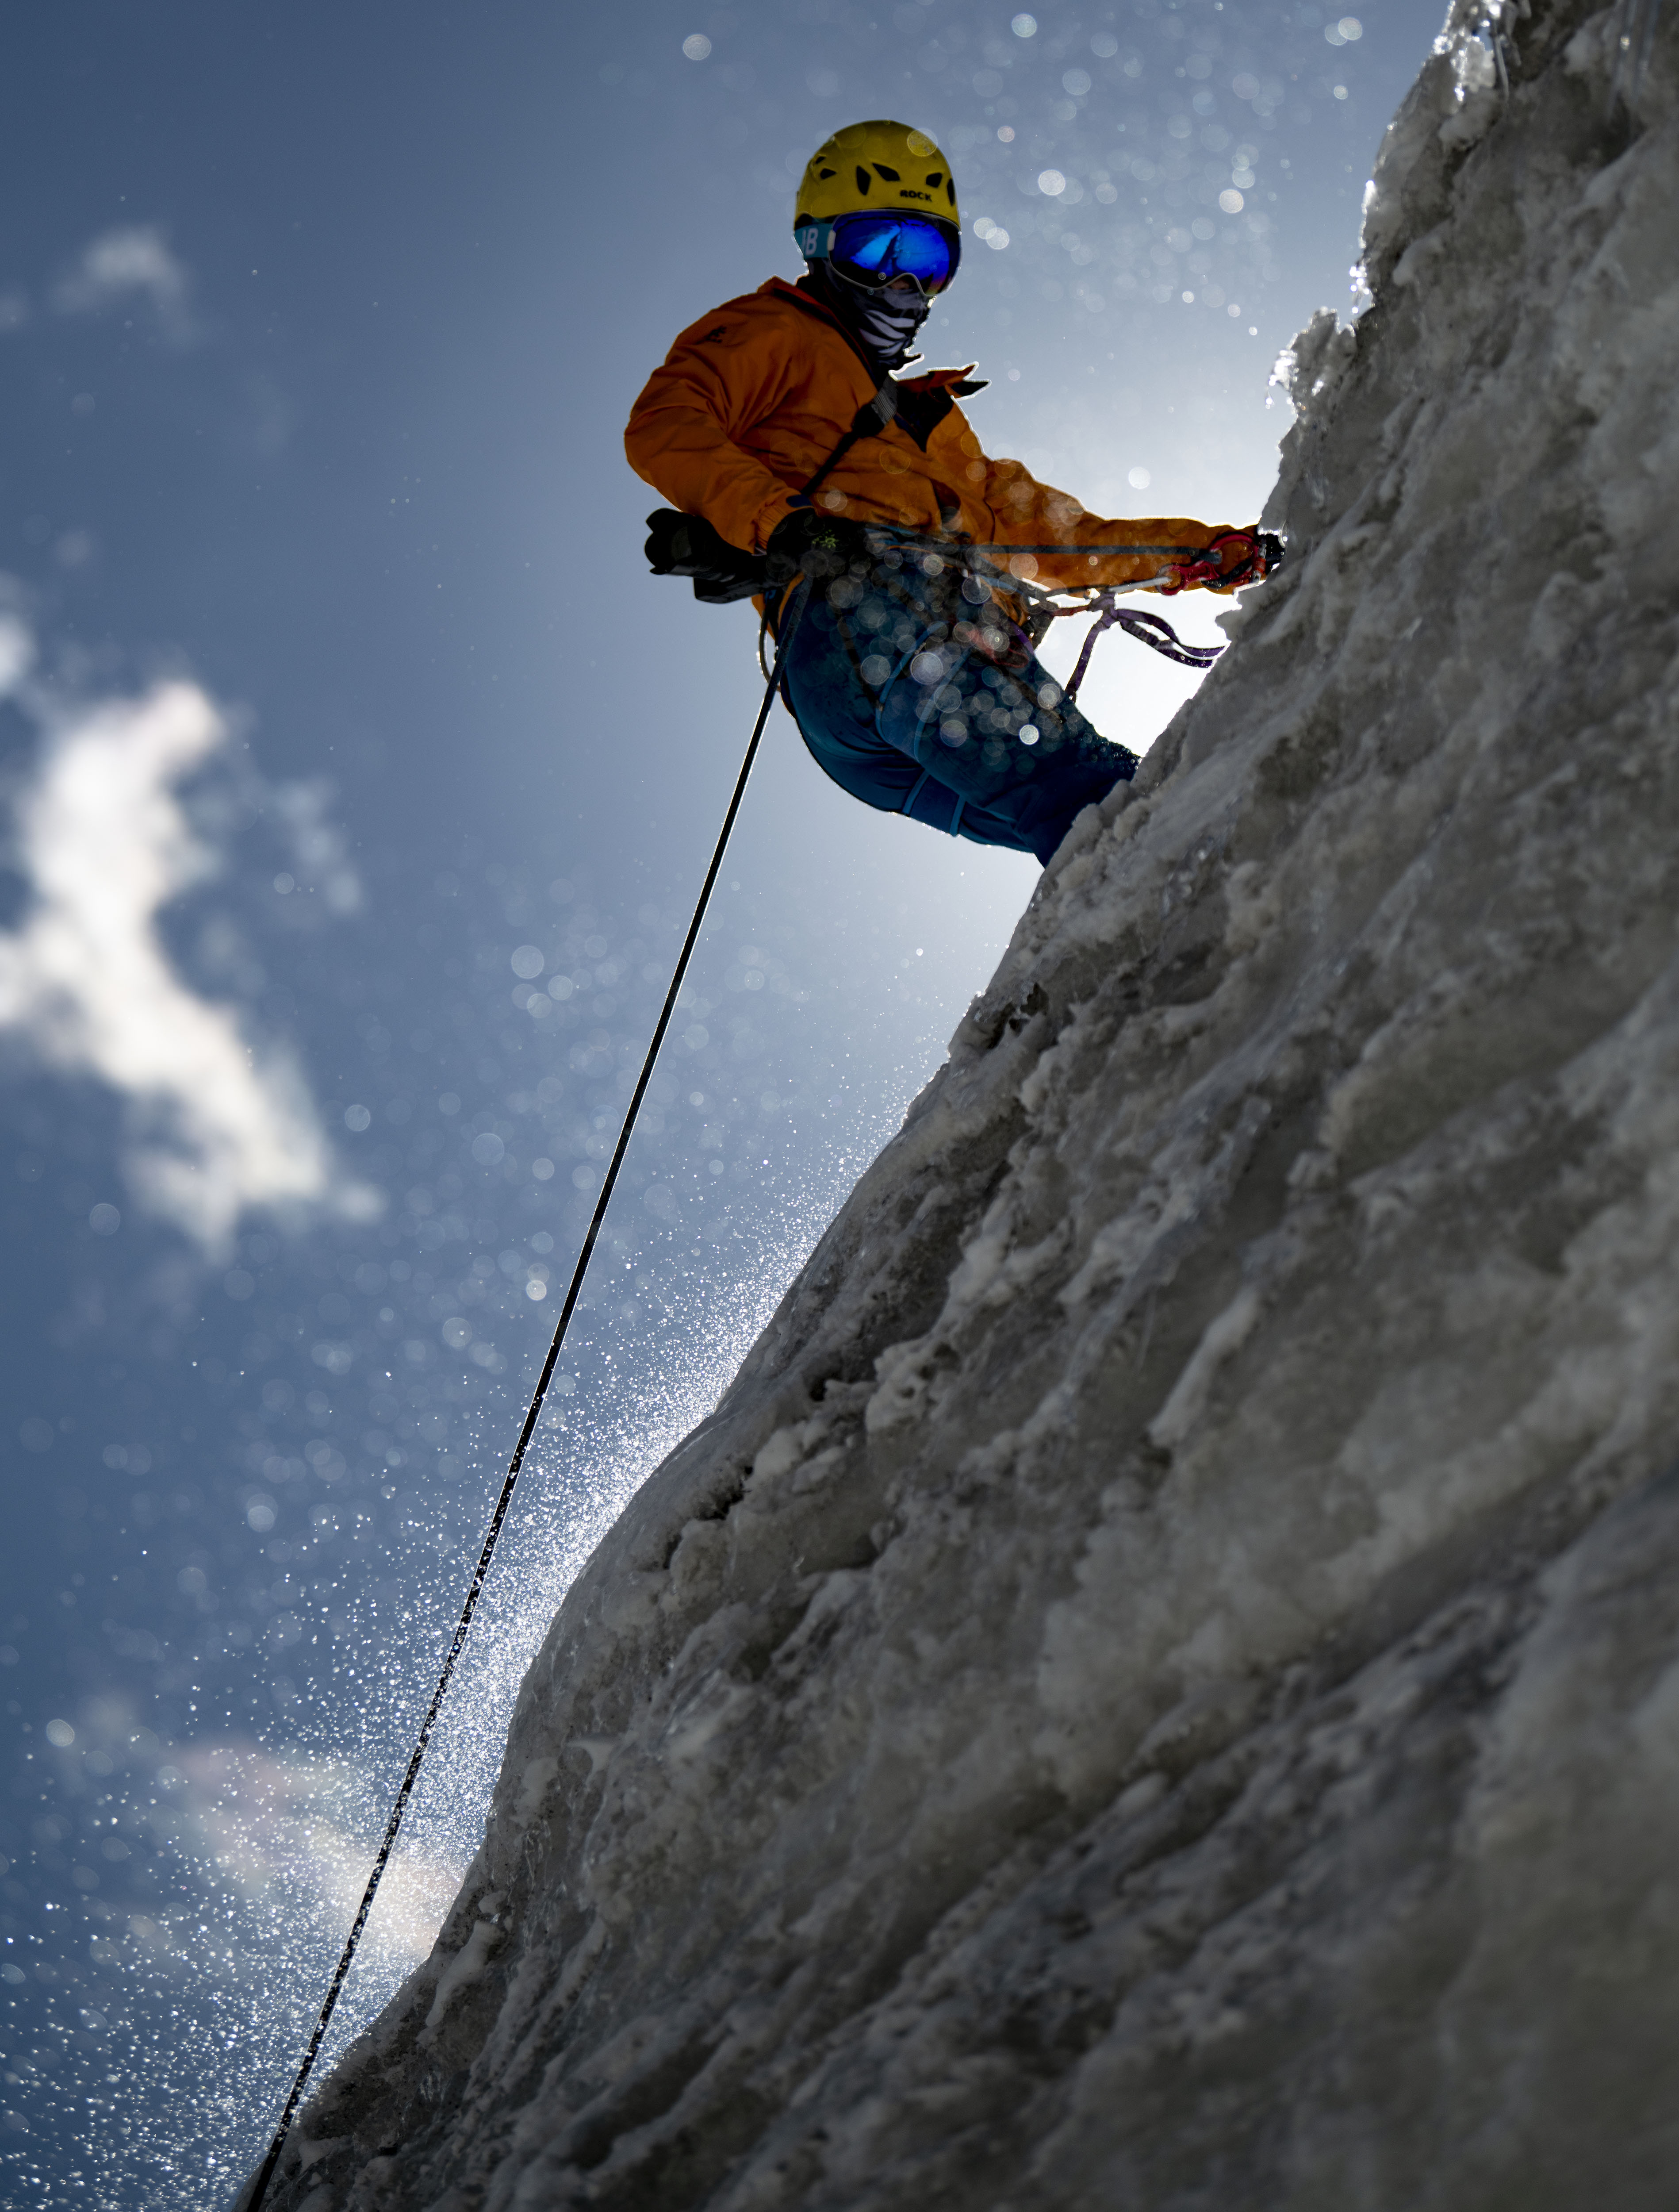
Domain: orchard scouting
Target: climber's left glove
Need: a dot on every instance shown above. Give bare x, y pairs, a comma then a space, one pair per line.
819, 546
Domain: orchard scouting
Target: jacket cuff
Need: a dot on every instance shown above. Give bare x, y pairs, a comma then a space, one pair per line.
773, 512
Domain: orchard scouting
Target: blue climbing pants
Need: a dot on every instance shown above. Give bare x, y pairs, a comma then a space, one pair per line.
917, 694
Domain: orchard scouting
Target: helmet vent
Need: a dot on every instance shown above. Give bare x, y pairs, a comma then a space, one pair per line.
891, 175
863, 178
935, 180
823, 175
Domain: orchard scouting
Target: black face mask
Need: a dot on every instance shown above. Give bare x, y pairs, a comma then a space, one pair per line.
883, 323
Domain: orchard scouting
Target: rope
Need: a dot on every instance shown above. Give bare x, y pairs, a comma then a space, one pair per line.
1264, 555
492, 1534
952, 551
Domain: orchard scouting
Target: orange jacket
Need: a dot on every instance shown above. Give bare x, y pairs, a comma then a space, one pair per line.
753, 398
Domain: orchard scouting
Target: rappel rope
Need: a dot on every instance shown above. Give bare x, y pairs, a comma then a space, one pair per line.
1201, 564
532, 1415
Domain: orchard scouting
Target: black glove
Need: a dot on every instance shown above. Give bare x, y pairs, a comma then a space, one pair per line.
819, 546
687, 545
1271, 550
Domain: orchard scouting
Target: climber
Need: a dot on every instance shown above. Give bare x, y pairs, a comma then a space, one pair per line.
781, 428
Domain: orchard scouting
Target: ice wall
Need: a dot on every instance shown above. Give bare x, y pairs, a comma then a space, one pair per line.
1158, 1686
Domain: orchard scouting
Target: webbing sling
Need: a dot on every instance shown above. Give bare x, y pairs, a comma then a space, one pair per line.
871, 419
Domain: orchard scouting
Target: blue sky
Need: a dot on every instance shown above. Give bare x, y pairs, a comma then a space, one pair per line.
357, 781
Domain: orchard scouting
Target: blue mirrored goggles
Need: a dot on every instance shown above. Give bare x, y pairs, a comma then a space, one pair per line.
873, 249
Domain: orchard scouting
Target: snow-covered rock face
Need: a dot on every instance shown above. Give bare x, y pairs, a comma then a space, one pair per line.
1159, 1684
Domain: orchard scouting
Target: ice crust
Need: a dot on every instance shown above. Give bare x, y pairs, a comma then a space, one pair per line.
1159, 1685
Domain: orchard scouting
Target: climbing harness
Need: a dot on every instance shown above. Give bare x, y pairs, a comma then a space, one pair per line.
1194, 564
1189, 565
533, 1414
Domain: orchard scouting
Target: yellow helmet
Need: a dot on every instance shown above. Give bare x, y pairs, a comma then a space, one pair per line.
874, 165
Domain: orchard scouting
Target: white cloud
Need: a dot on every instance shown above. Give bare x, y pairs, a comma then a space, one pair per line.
17, 650
118, 265
218, 1123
